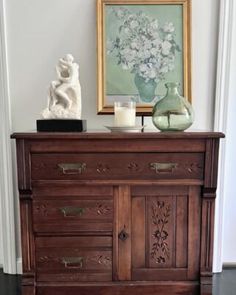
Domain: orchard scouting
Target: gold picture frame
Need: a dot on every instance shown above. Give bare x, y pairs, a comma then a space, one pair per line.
174, 12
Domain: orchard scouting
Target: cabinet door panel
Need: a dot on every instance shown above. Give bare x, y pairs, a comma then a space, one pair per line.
165, 233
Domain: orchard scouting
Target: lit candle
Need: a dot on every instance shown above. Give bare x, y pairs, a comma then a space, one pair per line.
125, 114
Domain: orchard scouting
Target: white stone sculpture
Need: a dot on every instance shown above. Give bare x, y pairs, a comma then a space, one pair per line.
64, 99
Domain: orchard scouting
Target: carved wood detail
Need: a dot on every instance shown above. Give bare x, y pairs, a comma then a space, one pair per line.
193, 167
99, 209
42, 210
102, 168
98, 259
133, 167
160, 218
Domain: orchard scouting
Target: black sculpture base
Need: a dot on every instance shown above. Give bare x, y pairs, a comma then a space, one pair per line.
61, 125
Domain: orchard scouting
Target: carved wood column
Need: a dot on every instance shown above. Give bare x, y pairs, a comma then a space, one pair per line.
27, 241
208, 210
27, 236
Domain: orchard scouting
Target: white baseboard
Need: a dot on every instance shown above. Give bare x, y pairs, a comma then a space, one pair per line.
19, 266
229, 265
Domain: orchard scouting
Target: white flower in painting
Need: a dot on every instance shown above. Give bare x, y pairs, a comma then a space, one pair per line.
134, 45
142, 45
157, 43
134, 24
154, 51
146, 54
147, 45
169, 27
132, 16
127, 30
168, 37
166, 47
125, 51
131, 55
152, 74
143, 68
154, 25
164, 69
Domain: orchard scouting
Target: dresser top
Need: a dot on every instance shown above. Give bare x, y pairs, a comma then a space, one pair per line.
109, 135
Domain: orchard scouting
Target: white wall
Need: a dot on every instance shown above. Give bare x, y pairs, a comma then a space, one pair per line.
39, 32
229, 239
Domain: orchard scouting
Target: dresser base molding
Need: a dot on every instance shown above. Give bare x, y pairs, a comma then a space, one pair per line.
28, 290
136, 288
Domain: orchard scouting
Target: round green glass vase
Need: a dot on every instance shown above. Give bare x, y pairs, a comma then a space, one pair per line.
173, 112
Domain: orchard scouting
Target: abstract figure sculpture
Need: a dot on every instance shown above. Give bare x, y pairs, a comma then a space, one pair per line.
64, 100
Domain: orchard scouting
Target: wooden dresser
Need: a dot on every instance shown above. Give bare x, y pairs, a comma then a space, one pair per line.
117, 214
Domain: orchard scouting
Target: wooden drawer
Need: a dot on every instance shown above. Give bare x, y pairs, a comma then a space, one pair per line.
73, 215
74, 259
117, 166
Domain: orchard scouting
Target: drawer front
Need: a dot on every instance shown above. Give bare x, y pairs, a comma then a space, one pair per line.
117, 166
77, 215
74, 259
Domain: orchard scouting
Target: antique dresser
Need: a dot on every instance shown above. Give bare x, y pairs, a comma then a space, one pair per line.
117, 213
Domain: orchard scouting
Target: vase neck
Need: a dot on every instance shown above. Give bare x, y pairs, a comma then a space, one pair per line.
172, 89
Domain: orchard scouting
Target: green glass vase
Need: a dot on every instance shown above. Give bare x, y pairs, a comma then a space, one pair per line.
173, 112
146, 89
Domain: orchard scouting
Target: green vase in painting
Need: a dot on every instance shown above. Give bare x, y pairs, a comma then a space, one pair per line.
146, 89
173, 112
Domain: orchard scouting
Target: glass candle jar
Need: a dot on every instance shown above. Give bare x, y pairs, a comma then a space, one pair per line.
125, 114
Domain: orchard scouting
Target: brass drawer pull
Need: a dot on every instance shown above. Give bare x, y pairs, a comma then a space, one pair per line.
163, 167
72, 168
73, 262
72, 211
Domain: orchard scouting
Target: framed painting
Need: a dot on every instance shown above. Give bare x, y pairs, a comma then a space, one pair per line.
142, 45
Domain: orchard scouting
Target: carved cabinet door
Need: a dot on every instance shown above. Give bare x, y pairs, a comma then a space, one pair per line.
165, 232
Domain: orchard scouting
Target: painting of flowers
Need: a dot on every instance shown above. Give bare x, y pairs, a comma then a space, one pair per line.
143, 48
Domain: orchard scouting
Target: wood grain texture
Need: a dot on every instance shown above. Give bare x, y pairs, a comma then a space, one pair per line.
74, 259
74, 215
211, 163
130, 166
138, 232
124, 224
27, 237
96, 231
28, 290
207, 238
151, 289
194, 209
165, 233
23, 164
108, 135
181, 230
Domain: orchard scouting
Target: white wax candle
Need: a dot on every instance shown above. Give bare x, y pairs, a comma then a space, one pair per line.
124, 116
